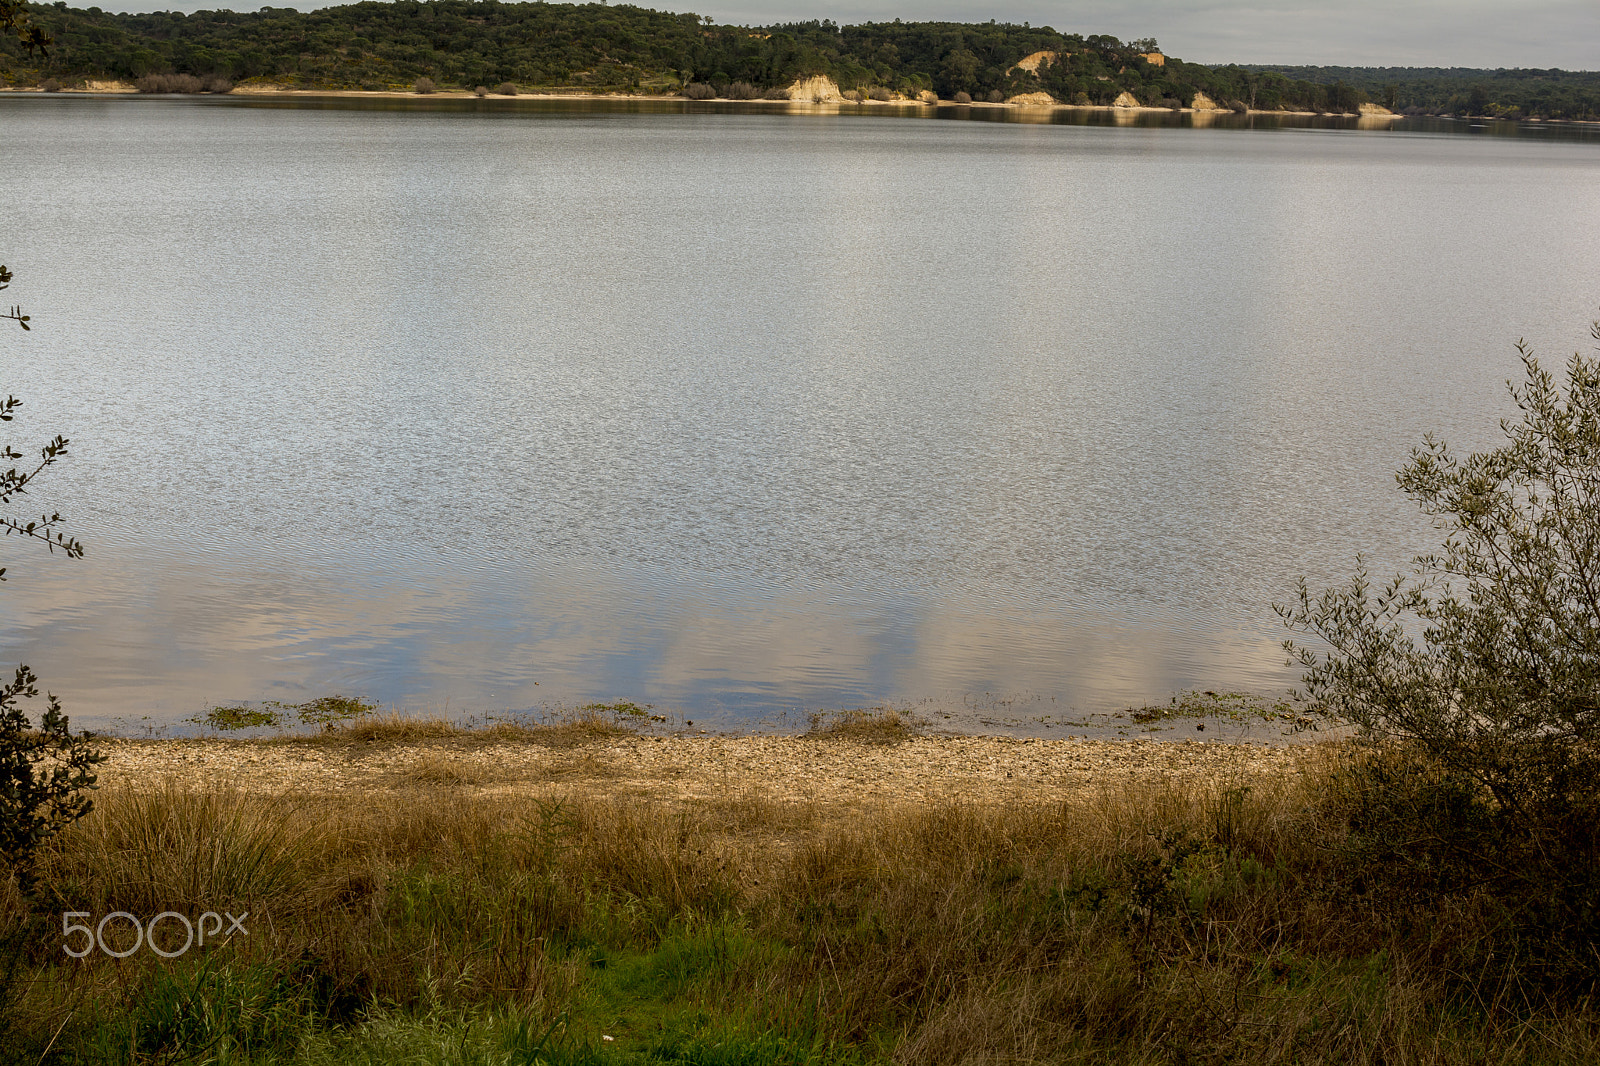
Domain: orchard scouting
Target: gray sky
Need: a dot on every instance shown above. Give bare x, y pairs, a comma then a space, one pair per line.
1461, 33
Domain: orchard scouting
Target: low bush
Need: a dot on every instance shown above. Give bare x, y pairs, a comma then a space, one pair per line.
45, 772
50, 85
1473, 683
742, 90
996, 97
424, 86
506, 89
963, 98
170, 83
481, 91
699, 90
879, 93
775, 93
1503, 906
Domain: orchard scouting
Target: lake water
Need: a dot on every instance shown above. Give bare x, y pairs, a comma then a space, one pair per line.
739, 414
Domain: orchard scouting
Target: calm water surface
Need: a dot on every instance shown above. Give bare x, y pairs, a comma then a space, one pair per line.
739, 414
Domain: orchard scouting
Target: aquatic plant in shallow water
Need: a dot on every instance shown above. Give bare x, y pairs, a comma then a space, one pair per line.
325, 711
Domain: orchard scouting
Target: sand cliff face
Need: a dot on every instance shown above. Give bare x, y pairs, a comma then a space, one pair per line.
1202, 102
820, 89
1032, 63
1373, 109
1033, 100
1125, 100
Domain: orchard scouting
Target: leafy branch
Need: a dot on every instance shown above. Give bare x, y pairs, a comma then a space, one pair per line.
14, 20
14, 482
44, 771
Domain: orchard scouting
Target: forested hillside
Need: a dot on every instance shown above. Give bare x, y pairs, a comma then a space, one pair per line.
465, 43
1462, 90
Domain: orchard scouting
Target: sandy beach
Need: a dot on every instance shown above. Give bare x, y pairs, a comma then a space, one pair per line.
826, 771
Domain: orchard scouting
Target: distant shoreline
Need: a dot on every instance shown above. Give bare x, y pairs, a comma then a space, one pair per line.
103, 88
1375, 117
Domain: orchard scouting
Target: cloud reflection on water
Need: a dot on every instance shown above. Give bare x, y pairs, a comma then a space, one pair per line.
145, 632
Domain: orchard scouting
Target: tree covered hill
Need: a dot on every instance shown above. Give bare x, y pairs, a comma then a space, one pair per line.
623, 48
1462, 90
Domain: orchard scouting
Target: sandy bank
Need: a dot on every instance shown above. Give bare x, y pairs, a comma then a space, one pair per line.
827, 771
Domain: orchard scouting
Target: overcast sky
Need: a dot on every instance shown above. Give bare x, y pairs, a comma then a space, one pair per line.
1461, 33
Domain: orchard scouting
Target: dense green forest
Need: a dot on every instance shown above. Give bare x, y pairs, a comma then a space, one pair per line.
466, 43
1462, 90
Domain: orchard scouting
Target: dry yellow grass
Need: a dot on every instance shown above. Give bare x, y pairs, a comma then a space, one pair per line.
1150, 921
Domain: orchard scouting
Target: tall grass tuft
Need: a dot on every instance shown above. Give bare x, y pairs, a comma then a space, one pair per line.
878, 726
175, 849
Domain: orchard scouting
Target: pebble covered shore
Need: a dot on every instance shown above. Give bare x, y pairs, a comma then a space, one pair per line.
828, 771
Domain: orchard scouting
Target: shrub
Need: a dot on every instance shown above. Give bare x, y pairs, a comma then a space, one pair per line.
699, 90
482, 90
852, 95
43, 773
50, 85
506, 89
742, 90
963, 98
996, 96
776, 93
1238, 107
424, 86
879, 93
1484, 666
169, 83
216, 83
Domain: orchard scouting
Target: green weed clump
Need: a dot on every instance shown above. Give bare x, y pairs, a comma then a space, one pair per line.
1230, 706
1161, 924
328, 712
